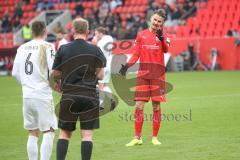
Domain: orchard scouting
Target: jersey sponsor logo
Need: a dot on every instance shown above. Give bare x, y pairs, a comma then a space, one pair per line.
150, 46
143, 37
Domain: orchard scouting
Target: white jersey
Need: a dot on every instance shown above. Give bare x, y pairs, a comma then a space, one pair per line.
106, 45
62, 42
32, 66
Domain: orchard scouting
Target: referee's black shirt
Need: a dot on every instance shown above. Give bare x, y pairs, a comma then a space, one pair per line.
78, 61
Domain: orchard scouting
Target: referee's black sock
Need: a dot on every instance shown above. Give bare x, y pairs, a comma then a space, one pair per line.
62, 147
86, 150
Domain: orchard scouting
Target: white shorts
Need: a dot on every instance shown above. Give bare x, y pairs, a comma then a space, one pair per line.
39, 114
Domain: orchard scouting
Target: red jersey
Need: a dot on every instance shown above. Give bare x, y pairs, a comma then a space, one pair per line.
150, 50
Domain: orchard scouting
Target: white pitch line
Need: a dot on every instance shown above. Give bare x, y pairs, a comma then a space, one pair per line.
206, 97
15, 96
173, 98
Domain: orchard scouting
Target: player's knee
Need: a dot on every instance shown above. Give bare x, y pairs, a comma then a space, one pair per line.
50, 130
156, 105
34, 132
86, 135
101, 86
65, 134
140, 105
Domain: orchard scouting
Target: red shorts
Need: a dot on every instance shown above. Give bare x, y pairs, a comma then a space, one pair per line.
150, 88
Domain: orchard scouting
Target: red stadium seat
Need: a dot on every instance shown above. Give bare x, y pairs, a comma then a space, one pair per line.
124, 9
218, 32
190, 22
32, 14
200, 14
236, 25
123, 16
210, 33
33, 2
2, 9
25, 15
130, 9
144, 2
72, 6
205, 16
96, 4
222, 15
11, 3
143, 8
119, 9
87, 11
203, 33
114, 10
180, 1
139, 3
1, 43
63, 6
132, 3
210, 6
10, 42
220, 24
124, 24
127, 3
182, 32
214, 17
5, 3
11, 14
186, 32
136, 9
84, 4
11, 9
212, 25
27, 8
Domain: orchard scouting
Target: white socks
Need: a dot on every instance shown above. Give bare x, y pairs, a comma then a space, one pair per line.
32, 148
47, 145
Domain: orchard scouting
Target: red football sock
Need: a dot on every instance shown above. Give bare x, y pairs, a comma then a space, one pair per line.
156, 120
138, 122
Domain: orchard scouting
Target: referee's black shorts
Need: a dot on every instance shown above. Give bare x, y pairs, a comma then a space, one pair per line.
82, 108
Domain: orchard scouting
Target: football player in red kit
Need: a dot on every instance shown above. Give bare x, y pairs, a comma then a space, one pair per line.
151, 44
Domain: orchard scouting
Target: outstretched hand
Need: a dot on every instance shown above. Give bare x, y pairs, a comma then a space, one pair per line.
123, 70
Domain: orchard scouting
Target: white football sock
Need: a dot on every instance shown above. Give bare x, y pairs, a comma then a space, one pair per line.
108, 91
32, 148
47, 145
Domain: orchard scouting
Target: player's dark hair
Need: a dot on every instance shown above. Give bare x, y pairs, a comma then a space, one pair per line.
101, 30
161, 13
38, 28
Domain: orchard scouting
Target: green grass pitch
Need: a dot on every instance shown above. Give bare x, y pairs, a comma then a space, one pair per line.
206, 126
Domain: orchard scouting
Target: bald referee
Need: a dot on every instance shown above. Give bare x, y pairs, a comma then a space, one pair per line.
77, 67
